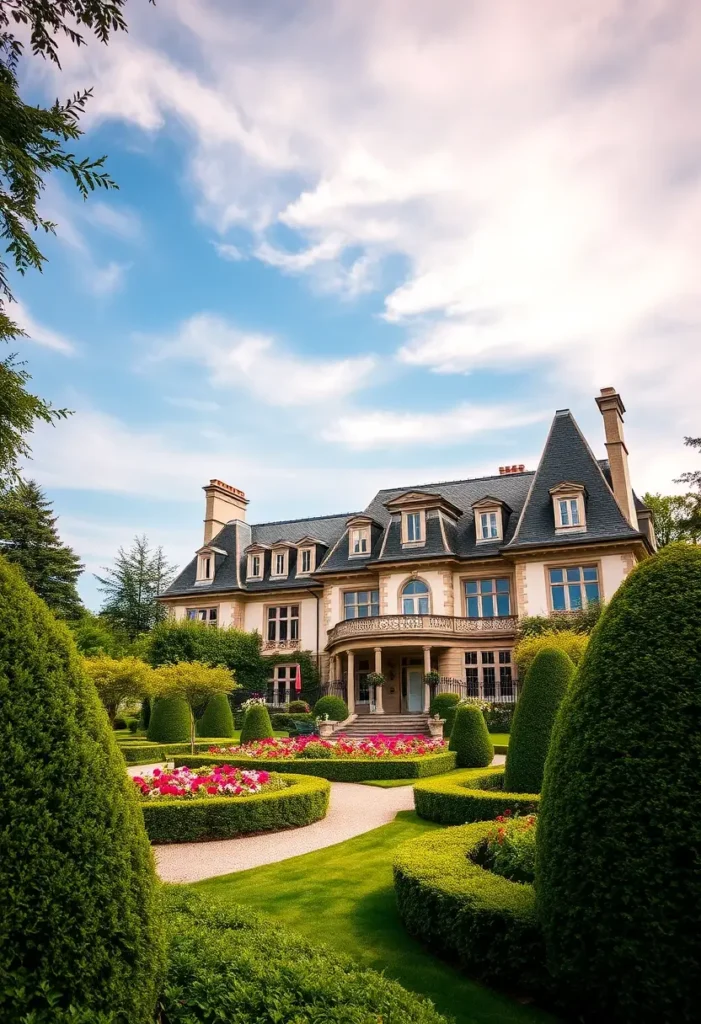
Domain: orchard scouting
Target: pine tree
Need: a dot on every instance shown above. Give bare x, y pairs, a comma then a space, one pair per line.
29, 538
132, 586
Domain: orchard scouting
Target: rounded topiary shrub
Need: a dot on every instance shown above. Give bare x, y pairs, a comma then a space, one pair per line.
546, 683
145, 716
470, 739
170, 720
256, 724
298, 707
317, 751
444, 705
80, 929
334, 707
217, 719
618, 876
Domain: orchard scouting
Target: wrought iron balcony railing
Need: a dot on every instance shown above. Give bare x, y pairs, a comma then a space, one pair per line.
416, 625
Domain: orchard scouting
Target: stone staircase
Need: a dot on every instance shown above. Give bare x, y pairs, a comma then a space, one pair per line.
388, 725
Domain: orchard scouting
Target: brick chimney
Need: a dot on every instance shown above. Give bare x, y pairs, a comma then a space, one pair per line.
222, 504
507, 470
612, 408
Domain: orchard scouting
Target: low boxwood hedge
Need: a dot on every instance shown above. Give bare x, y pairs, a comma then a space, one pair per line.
337, 769
303, 801
155, 753
467, 913
230, 964
472, 795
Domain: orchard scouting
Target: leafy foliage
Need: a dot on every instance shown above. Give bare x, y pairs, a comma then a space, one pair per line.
169, 721
582, 620
170, 642
217, 719
544, 687
29, 539
195, 683
132, 587
94, 635
334, 707
337, 769
470, 738
510, 847
691, 523
617, 870
118, 679
256, 724
444, 705
473, 795
572, 644
79, 915
670, 513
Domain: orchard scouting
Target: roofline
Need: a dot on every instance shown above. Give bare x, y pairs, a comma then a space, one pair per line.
580, 542
465, 480
305, 519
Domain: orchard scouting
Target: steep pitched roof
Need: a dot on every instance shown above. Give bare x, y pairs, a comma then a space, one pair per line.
567, 456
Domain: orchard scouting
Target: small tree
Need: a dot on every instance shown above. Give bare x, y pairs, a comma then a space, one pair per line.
256, 724
169, 720
572, 644
119, 679
335, 707
444, 705
132, 587
194, 682
217, 719
546, 683
470, 739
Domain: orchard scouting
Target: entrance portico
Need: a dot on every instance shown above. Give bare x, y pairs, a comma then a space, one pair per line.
404, 669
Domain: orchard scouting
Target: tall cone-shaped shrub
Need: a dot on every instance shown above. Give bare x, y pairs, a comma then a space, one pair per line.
80, 929
618, 875
217, 719
256, 724
546, 683
170, 720
470, 738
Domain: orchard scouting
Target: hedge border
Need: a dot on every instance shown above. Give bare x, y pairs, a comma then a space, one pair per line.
302, 802
469, 796
156, 753
338, 769
467, 913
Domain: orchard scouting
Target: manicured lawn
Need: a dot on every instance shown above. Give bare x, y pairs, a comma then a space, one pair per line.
391, 783
343, 896
124, 737
499, 738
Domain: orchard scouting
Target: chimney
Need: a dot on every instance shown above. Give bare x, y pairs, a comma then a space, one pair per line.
612, 408
508, 470
222, 504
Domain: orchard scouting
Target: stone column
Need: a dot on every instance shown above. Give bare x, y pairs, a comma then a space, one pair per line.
351, 682
427, 688
333, 668
379, 710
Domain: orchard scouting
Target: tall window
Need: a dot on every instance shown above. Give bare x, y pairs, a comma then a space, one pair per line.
489, 525
306, 560
359, 541
415, 598
361, 604
489, 674
284, 684
208, 615
569, 511
487, 598
573, 587
413, 528
283, 622
254, 566
279, 563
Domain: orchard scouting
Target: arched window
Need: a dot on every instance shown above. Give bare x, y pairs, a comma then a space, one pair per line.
415, 598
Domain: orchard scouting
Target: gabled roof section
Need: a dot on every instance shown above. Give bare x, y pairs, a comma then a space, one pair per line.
568, 458
489, 502
422, 500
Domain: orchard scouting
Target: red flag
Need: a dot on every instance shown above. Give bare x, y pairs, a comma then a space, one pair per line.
297, 677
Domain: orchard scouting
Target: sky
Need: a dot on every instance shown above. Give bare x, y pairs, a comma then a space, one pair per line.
360, 245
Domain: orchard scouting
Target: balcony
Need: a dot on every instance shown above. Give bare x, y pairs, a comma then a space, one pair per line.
418, 626
280, 646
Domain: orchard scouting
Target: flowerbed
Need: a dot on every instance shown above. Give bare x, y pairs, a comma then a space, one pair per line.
220, 780
368, 748
509, 848
340, 769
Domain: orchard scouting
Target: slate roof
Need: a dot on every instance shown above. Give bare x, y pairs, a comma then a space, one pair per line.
528, 522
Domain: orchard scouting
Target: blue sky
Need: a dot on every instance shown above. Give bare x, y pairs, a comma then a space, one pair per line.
358, 247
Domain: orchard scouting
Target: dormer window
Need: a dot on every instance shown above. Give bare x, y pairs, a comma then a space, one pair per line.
305, 561
568, 507
489, 525
414, 527
489, 520
205, 565
278, 567
360, 540
255, 567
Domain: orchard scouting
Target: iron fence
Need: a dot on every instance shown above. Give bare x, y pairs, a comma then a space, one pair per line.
497, 691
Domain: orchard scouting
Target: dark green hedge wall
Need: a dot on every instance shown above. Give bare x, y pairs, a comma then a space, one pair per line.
338, 770
472, 795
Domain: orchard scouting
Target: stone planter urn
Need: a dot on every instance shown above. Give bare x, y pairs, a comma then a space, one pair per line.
326, 729
435, 726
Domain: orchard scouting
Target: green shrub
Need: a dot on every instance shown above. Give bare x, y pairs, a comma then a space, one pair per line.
133, 725
466, 913
283, 722
317, 751
470, 739
170, 720
153, 753
472, 795
119, 723
232, 965
80, 920
145, 716
546, 683
334, 707
217, 719
444, 705
572, 644
338, 769
499, 716
256, 724
617, 865
510, 848
581, 621
171, 642
190, 821
298, 707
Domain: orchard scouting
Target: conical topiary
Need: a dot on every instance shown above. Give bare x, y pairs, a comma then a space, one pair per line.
618, 876
546, 683
470, 739
80, 929
445, 705
217, 721
145, 714
256, 724
170, 720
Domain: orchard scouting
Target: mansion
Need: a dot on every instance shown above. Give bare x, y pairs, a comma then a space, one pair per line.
428, 578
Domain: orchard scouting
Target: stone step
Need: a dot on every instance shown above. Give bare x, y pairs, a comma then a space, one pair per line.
389, 725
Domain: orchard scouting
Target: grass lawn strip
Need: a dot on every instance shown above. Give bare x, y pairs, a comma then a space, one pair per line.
343, 895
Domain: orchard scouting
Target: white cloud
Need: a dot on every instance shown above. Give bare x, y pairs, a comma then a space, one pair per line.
108, 279
390, 429
258, 364
229, 252
37, 332
194, 404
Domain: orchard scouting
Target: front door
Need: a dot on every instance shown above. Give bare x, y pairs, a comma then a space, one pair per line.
415, 690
